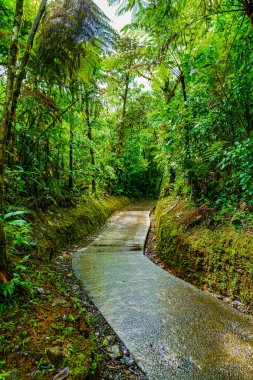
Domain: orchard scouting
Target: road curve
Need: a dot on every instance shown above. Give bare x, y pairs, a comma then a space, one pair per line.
174, 330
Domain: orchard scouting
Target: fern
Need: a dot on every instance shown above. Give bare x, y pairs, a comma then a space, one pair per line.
66, 30
213, 151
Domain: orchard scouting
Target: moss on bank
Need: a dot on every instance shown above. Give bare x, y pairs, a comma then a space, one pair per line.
215, 257
41, 316
55, 230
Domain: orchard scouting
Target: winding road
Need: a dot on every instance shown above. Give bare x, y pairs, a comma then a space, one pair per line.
174, 330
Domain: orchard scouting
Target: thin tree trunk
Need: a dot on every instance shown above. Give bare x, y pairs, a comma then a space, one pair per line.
47, 161
186, 124
120, 126
249, 117
71, 140
89, 135
248, 6
57, 164
11, 70
22, 70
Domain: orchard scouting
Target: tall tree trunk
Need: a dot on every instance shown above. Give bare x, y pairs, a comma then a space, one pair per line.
57, 164
186, 123
89, 135
47, 161
120, 126
22, 70
249, 117
71, 140
11, 70
248, 6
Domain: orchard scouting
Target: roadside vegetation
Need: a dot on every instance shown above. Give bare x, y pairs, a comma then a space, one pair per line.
43, 326
208, 248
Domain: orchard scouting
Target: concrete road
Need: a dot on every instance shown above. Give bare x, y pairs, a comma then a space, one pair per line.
173, 330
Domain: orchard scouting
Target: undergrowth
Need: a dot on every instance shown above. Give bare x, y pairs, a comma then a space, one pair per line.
37, 314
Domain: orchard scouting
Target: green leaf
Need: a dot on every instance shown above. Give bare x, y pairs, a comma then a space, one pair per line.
19, 223
14, 213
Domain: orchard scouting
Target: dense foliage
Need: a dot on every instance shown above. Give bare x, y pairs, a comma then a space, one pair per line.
199, 57
162, 109
79, 120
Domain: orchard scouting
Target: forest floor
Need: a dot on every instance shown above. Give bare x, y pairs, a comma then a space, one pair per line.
45, 334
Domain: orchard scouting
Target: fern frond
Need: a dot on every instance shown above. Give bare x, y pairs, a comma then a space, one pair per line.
66, 27
213, 151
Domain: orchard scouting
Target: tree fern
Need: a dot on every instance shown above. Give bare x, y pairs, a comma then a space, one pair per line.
65, 29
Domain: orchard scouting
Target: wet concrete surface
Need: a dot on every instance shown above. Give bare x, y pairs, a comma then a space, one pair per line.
174, 330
